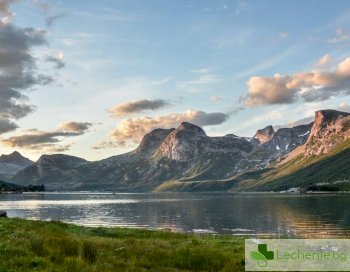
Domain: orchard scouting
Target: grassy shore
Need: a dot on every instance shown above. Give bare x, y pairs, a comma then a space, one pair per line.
55, 246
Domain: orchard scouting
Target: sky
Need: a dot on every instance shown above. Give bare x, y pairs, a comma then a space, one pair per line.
90, 78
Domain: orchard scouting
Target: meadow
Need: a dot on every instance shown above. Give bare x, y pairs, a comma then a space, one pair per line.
55, 246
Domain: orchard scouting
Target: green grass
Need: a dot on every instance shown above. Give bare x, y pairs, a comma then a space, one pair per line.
54, 246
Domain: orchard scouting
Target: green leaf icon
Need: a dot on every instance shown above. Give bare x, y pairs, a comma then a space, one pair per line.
256, 255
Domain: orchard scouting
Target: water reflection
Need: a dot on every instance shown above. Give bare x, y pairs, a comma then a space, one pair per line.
247, 214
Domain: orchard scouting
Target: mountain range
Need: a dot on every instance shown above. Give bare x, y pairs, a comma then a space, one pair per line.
315, 155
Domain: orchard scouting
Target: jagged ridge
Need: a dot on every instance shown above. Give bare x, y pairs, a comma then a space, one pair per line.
187, 155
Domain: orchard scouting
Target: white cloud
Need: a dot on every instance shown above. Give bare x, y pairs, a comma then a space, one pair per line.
344, 107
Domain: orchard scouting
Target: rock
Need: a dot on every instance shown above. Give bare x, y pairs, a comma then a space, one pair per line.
189, 142
285, 140
3, 214
151, 141
330, 128
325, 118
265, 134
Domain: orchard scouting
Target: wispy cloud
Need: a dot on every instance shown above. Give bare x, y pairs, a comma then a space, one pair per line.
43, 5
107, 14
52, 19
284, 35
323, 61
240, 7
266, 64
202, 78
137, 106
57, 60
161, 81
341, 36
47, 140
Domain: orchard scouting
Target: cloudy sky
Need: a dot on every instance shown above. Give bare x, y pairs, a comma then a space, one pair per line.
89, 78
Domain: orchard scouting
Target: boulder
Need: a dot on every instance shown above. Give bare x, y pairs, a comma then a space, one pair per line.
3, 214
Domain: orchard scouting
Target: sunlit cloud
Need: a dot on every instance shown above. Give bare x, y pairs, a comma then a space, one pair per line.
130, 131
47, 140
304, 86
324, 61
343, 106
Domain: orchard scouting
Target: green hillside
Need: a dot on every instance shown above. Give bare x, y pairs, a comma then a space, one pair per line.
307, 171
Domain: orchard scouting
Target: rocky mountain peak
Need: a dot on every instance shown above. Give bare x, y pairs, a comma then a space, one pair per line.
286, 139
152, 140
265, 134
183, 143
330, 128
15, 158
185, 126
325, 117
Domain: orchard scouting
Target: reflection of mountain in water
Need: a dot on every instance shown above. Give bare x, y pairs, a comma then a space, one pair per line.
310, 216
269, 214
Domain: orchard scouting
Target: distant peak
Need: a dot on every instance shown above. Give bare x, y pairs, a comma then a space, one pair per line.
265, 134
15, 158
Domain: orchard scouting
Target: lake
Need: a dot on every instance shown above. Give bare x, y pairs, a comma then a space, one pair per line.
303, 216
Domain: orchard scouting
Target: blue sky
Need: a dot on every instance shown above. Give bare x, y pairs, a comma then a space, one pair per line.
230, 66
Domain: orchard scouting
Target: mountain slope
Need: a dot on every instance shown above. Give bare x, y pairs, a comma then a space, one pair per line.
163, 155
323, 159
50, 170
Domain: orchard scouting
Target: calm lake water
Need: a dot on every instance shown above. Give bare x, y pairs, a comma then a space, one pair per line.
236, 214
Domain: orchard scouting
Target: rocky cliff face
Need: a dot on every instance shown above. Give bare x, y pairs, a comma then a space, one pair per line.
264, 135
184, 143
329, 130
151, 141
189, 142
